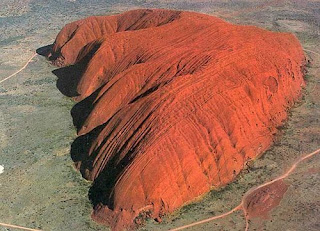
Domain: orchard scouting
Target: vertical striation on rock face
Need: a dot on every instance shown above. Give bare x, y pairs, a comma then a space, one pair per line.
172, 104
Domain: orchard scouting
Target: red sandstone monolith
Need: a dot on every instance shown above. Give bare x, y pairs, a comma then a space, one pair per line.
177, 103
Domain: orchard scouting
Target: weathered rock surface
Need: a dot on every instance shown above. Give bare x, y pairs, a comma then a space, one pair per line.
173, 104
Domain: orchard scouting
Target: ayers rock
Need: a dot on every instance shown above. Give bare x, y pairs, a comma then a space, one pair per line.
173, 104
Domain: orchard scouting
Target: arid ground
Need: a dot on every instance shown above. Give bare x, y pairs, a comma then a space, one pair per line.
40, 188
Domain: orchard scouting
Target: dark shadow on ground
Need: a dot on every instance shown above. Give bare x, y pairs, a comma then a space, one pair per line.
82, 151
70, 76
68, 79
45, 50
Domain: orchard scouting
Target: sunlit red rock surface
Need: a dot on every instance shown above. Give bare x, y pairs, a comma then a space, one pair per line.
173, 104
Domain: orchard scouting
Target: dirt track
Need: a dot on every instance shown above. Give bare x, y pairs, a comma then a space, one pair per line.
21, 69
244, 201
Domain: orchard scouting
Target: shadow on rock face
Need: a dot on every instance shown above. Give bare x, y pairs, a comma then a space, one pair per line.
103, 184
101, 191
82, 110
80, 149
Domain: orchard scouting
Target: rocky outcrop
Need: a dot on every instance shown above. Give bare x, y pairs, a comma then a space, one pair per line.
172, 105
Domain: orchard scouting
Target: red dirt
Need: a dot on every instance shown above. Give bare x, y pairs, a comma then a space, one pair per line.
260, 200
176, 104
259, 203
